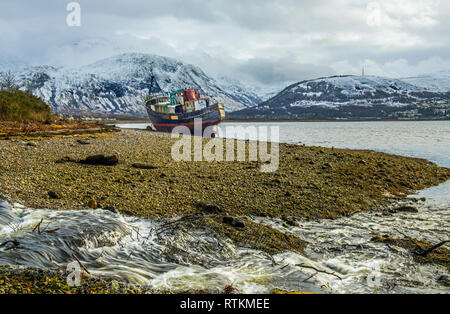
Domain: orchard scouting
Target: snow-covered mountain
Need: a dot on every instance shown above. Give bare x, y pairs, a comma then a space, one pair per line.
119, 84
439, 81
348, 97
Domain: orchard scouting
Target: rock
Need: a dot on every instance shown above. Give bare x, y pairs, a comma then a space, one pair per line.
54, 195
32, 144
92, 203
289, 221
83, 142
143, 166
407, 209
111, 209
209, 208
233, 222
100, 160
444, 280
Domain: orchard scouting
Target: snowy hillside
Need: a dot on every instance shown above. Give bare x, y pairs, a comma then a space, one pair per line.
345, 97
439, 81
120, 84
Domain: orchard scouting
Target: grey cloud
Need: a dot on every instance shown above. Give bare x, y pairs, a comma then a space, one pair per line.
266, 41
268, 71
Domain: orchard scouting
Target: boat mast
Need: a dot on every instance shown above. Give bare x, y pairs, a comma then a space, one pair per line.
153, 82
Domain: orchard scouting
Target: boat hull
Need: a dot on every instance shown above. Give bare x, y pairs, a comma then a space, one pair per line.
204, 118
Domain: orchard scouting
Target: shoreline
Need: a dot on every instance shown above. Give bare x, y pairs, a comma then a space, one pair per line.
312, 183
135, 121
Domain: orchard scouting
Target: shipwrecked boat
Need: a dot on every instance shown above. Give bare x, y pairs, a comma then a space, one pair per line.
184, 107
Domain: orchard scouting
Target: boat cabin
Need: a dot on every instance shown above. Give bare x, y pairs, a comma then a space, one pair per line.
180, 101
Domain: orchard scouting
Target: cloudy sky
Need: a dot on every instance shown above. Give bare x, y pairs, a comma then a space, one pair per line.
259, 41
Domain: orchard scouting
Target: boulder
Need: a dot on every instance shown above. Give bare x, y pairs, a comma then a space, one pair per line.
100, 160
407, 209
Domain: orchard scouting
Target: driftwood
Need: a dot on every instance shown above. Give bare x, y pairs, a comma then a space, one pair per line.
38, 228
81, 264
422, 252
318, 270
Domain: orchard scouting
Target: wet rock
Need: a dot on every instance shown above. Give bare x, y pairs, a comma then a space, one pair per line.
233, 222
92, 203
54, 195
83, 142
100, 160
406, 209
111, 209
210, 208
444, 280
289, 221
144, 166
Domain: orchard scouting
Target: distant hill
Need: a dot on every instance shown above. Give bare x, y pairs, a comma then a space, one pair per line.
351, 97
437, 82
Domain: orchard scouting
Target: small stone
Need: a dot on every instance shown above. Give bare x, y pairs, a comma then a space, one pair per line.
83, 142
144, 166
32, 144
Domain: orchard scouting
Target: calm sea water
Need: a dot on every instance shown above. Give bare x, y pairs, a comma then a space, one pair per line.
423, 139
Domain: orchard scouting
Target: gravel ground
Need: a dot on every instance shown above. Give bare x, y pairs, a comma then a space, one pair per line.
311, 182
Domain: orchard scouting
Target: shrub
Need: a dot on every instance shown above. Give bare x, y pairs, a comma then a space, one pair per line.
20, 106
